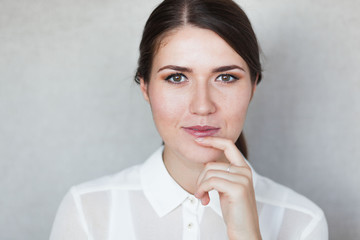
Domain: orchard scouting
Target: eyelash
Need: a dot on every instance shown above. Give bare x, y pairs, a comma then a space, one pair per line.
170, 80
228, 75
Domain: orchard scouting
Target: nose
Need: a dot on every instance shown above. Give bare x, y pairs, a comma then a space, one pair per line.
201, 100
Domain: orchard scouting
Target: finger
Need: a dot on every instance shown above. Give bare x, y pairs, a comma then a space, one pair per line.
231, 177
205, 199
219, 184
220, 166
221, 170
230, 150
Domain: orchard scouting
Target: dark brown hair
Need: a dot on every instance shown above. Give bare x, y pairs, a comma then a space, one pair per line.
223, 17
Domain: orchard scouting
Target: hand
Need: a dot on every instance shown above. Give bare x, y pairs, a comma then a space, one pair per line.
235, 187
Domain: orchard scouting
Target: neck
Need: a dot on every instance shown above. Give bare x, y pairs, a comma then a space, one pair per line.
183, 171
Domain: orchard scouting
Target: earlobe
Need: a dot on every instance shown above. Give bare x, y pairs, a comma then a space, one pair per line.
144, 89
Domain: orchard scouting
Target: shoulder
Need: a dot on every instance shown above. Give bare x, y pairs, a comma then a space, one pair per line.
273, 193
127, 179
294, 205
90, 204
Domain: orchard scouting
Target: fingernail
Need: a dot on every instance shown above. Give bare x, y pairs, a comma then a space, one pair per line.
199, 139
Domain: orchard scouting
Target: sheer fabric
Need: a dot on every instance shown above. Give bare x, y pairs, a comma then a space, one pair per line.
144, 202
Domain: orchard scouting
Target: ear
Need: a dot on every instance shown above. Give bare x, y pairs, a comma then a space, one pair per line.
254, 86
144, 89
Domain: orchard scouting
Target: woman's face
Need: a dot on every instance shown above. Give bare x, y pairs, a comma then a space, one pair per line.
199, 86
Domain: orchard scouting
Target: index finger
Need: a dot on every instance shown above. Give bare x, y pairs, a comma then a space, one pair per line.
230, 150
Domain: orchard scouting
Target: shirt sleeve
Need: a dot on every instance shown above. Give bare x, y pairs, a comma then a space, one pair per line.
69, 221
316, 230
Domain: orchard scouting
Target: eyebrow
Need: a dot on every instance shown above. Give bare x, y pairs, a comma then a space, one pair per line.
176, 68
215, 70
227, 68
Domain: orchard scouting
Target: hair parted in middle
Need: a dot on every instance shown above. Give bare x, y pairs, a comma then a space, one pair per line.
224, 17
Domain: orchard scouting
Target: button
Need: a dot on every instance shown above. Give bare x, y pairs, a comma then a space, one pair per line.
192, 200
190, 226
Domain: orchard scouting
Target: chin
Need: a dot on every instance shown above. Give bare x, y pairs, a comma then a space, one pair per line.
199, 154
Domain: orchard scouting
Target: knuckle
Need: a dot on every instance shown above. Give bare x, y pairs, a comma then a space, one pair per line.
242, 191
247, 182
244, 187
212, 180
248, 171
208, 174
209, 165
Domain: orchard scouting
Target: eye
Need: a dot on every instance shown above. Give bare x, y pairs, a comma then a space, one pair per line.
176, 78
226, 78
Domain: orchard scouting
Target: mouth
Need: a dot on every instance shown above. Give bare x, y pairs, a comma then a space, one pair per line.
201, 131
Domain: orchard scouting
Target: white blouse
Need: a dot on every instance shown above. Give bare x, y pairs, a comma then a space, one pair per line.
144, 202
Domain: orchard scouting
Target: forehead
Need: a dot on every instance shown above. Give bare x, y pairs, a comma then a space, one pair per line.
191, 45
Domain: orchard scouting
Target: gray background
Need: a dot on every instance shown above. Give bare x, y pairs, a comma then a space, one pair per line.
69, 111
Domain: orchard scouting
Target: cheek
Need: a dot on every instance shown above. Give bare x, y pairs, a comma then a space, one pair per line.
235, 116
235, 111
166, 108
238, 102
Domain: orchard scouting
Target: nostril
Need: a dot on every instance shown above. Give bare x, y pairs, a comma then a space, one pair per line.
202, 104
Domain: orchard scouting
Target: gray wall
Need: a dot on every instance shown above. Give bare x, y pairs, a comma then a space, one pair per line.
69, 111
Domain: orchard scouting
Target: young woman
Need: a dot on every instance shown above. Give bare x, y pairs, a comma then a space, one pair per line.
198, 69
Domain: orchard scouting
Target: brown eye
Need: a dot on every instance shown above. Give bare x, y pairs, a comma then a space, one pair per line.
176, 78
226, 78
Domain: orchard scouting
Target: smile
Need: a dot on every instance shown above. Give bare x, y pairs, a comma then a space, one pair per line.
201, 131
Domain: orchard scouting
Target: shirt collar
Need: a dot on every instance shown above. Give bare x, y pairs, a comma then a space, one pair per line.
163, 193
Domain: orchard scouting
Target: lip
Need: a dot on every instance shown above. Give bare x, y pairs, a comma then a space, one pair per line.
201, 131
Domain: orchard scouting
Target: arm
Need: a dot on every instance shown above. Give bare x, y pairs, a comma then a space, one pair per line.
316, 229
69, 221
